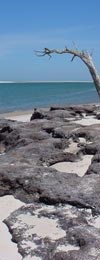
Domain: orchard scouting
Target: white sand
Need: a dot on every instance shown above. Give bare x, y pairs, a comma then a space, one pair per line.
79, 167
8, 249
88, 120
22, 116
94, 252
42, 227
66, 248
94, 221
73, 147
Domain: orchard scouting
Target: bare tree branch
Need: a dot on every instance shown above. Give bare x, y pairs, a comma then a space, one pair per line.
73, 57
83, 55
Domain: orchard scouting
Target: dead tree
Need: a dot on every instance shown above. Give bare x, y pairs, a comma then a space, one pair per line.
83, 55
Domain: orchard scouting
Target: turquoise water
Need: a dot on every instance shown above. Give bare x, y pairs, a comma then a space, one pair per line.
23, 96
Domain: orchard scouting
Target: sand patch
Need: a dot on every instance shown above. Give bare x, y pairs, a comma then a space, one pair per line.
78, 167
42, 227
22, 116
94, 221
73, 147
94, 252
8, 249
7, 205
66, 248
88, 120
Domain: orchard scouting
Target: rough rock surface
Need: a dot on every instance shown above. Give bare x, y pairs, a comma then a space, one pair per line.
61, 232
67, 203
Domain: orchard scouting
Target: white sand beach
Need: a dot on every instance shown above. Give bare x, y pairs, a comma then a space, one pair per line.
22, 116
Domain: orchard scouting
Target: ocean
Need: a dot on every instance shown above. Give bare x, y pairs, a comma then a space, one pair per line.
24, 96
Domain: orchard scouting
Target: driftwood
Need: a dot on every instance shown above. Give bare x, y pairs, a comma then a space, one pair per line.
83, 55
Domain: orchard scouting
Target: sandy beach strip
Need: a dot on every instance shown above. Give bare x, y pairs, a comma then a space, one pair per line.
23, 116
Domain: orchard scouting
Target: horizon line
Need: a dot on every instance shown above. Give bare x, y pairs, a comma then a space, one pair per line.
48, 81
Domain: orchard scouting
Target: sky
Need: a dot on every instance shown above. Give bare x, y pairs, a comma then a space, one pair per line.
29, 25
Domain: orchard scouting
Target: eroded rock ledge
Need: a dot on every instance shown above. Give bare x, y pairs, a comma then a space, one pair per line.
66, 204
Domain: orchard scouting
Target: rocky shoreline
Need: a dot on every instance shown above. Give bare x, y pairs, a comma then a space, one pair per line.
52, 164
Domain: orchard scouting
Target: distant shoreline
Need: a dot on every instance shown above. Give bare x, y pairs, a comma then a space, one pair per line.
21, 82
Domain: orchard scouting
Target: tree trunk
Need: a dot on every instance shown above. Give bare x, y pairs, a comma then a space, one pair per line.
93, 72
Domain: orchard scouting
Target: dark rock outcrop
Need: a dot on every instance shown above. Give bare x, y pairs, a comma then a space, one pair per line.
36, 115
27, 150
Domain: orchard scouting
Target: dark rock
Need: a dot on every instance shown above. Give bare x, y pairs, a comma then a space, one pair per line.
84, 132
49, 186
9, 136
92, 148
40, 135
98, 116
96, 158
26, 152
94, 168
12, 139
6, 128
53, 108
88, 109
60, 114
36, 115
58, 134
65, 131
61, 157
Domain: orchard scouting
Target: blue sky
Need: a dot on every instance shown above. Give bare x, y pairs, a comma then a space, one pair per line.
28, 25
